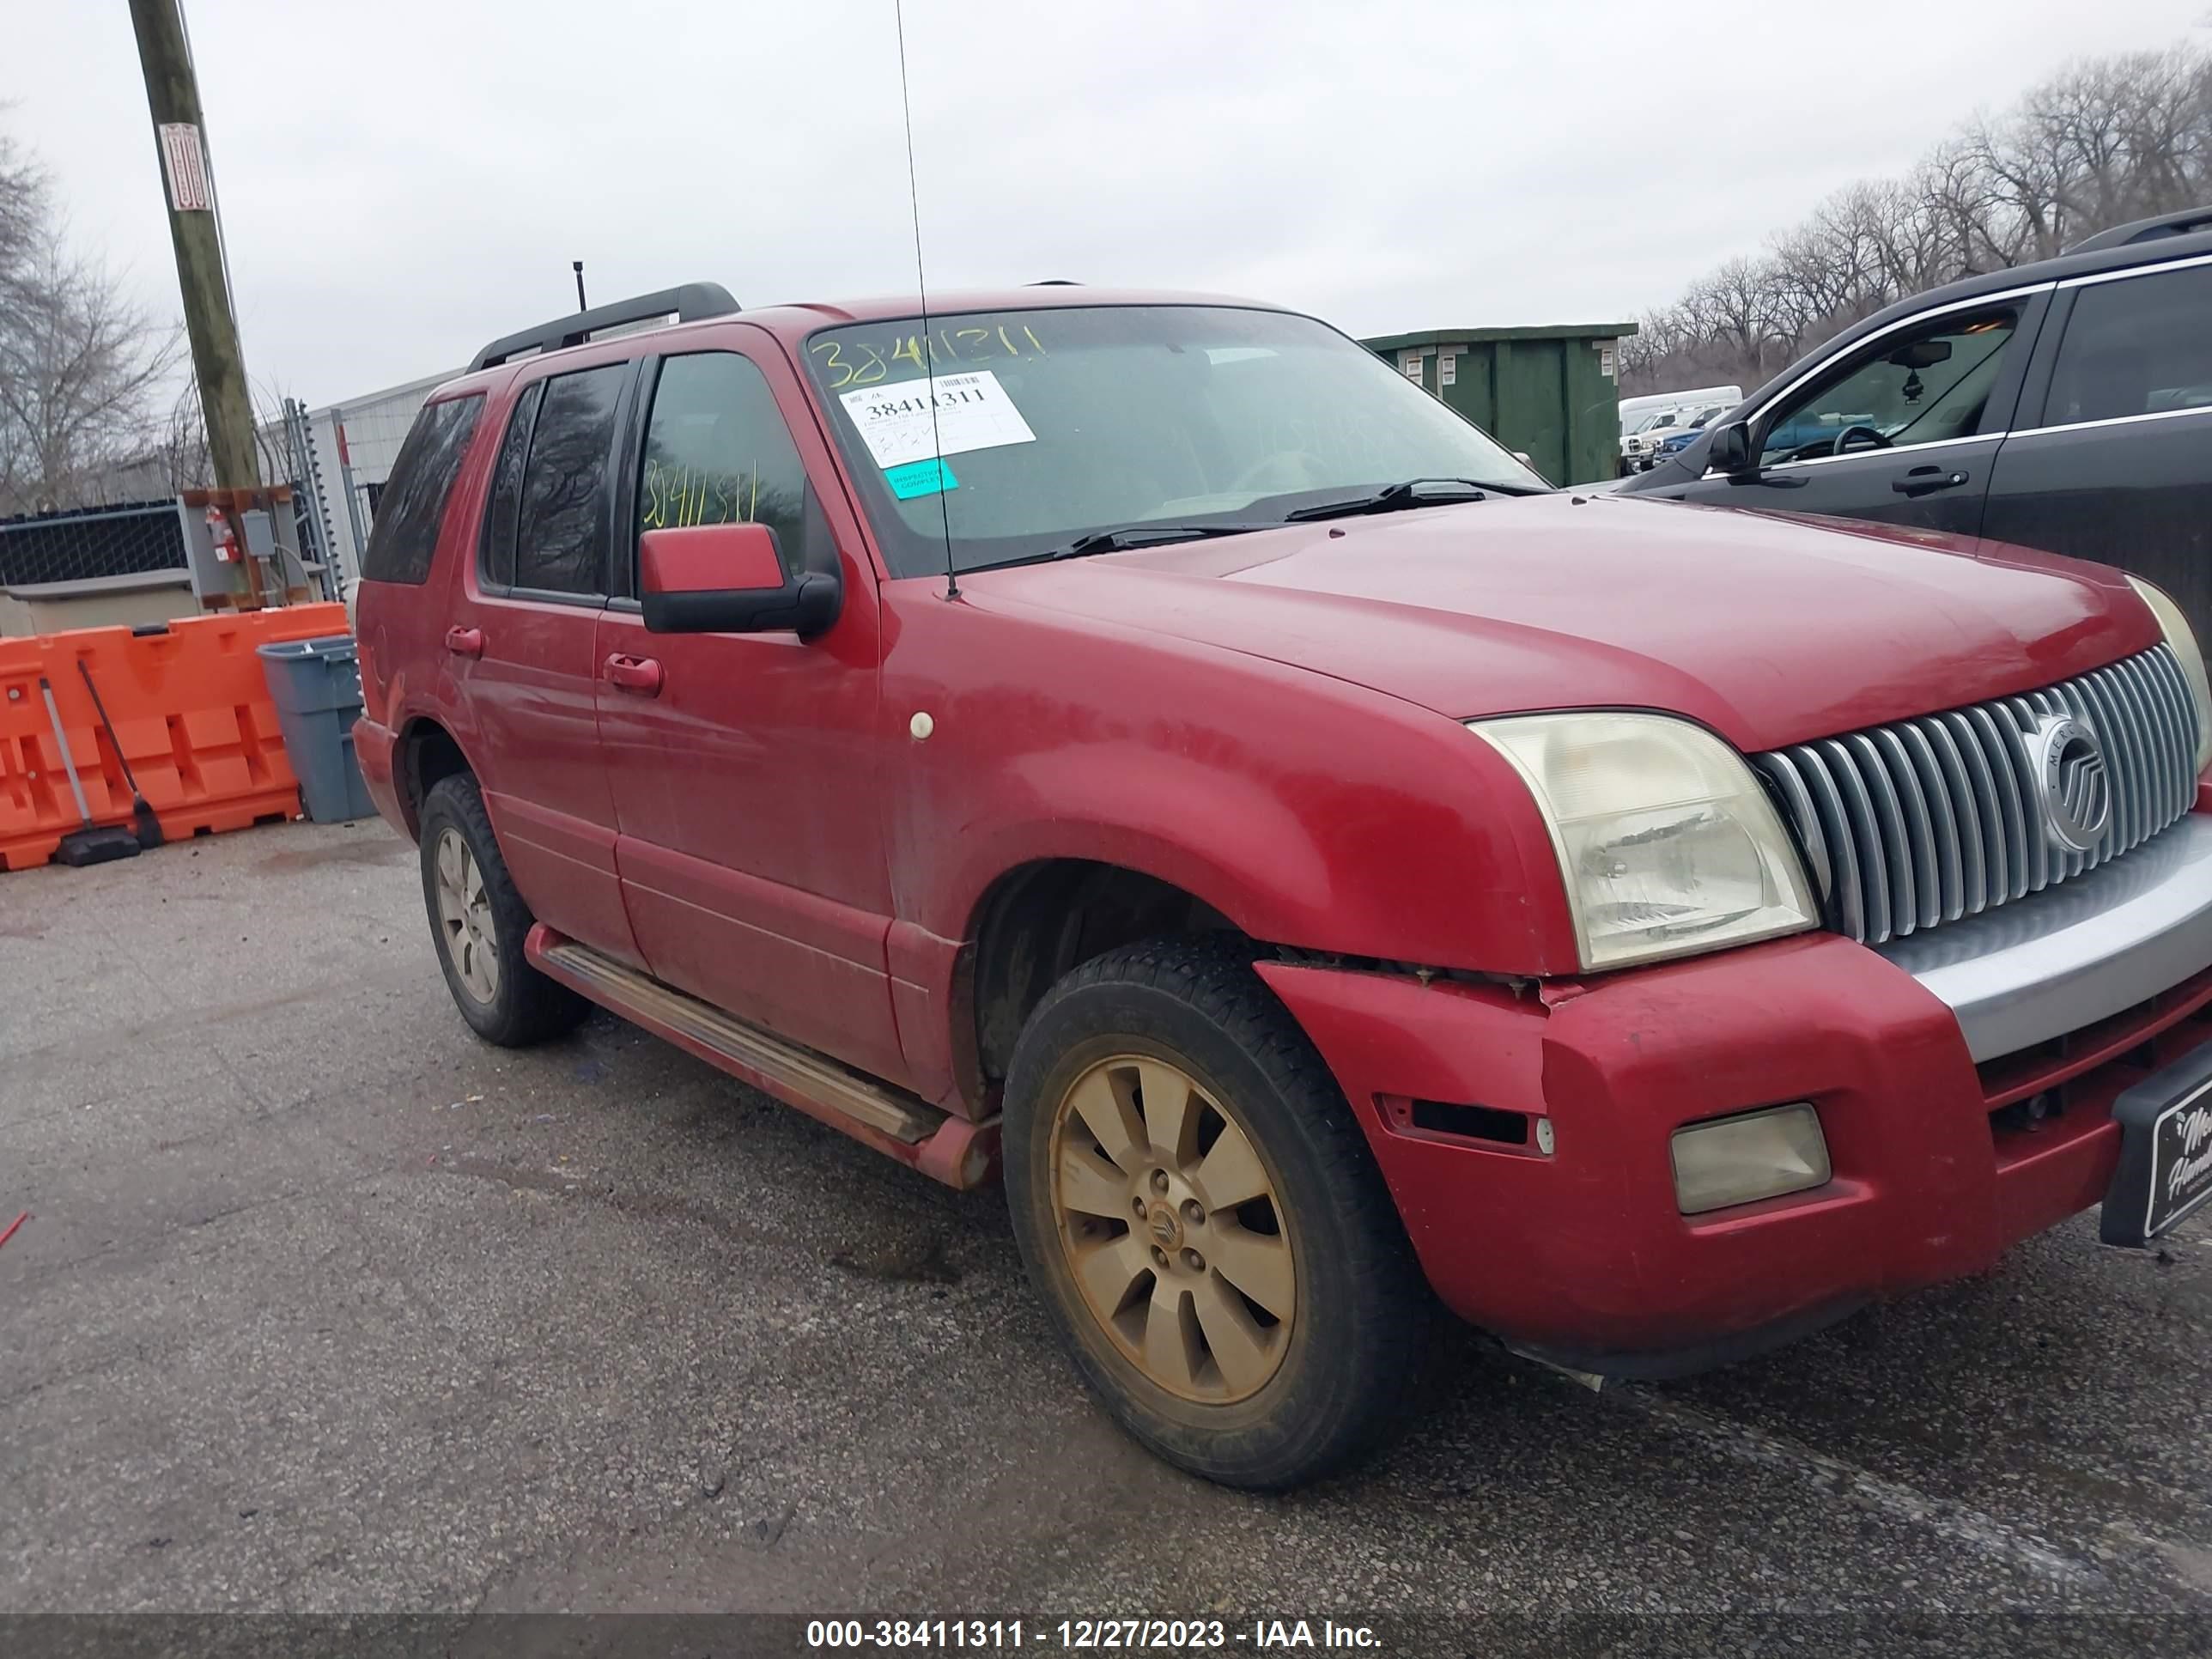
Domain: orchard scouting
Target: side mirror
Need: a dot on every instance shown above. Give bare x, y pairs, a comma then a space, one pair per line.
1728, 450
729, 579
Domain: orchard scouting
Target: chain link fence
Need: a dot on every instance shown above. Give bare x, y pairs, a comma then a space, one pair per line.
81, 546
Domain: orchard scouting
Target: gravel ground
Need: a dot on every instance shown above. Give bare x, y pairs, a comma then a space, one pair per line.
326, 1307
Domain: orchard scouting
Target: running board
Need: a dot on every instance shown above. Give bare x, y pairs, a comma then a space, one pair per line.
953, 1149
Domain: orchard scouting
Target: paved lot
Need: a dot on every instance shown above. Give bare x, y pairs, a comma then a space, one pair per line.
327, 1306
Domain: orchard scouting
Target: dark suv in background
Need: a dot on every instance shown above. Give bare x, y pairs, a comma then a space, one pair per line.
2064, 405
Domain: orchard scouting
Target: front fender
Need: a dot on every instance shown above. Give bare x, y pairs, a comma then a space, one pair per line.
1310, 811
1217, 836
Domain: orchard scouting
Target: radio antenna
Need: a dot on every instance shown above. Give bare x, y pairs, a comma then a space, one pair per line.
921, 289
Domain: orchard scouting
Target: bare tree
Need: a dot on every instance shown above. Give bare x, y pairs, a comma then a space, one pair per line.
182, 452
22, 207
84, 371
2100, 142
272, 437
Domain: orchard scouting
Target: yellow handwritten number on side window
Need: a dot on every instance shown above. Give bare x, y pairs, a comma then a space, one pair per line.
679, 497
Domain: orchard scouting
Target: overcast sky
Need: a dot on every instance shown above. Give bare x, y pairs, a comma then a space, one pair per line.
403, 179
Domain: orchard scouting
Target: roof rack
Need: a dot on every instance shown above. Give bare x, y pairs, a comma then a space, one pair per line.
687, 304
2148, 230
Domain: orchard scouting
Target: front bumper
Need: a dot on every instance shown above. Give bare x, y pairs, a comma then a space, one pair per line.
2077, 953
1941, 1162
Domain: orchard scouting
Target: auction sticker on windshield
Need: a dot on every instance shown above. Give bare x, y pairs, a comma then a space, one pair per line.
973, 412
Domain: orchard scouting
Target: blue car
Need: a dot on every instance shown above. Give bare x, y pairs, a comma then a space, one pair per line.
1693, 429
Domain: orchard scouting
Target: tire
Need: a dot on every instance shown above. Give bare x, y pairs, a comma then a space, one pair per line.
1295, 1390
504, 999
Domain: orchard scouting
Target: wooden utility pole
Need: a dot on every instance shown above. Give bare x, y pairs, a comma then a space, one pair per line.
172, 96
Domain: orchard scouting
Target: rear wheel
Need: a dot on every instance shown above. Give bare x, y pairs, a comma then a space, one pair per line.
1202, 1214
480, 921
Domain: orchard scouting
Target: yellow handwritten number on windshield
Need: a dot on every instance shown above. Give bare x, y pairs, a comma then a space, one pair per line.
963, 345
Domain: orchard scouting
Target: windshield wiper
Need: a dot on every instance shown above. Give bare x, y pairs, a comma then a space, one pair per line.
1128, 536
1413, 492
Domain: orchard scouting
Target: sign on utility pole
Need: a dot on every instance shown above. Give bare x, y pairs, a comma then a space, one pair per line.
173, 97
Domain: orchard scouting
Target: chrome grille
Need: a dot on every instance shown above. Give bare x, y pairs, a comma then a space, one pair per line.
1913, 825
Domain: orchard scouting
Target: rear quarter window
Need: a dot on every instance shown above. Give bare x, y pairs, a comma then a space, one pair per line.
412, 505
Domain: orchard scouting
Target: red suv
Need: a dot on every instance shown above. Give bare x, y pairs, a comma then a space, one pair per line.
1165, 754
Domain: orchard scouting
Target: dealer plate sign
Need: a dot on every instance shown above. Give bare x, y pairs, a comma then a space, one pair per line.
2165, 1170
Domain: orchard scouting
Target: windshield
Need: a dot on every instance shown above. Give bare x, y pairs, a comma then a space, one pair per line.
1053, 425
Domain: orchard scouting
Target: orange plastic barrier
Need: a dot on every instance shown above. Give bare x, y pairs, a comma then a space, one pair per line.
192, 712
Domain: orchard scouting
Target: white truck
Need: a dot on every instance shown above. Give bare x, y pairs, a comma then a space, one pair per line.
1645, 420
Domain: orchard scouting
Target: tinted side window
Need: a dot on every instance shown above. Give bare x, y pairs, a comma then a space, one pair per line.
2141, 345
498, 554
1919, 386
413, 499
717, 452
560, 528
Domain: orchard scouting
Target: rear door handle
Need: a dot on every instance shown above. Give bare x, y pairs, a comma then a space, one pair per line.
464, 641
1926, 480
638, 674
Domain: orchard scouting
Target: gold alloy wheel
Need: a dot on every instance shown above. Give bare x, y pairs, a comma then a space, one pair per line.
1173, 1231
466, 928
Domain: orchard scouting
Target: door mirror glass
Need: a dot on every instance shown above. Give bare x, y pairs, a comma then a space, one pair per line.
728, 578
1728, 450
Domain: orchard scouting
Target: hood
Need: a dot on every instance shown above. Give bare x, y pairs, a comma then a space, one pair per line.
1767, 628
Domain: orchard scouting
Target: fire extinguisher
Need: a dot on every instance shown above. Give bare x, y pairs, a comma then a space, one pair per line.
219, 532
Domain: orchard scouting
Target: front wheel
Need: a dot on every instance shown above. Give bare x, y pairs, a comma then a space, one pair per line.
1197, 1206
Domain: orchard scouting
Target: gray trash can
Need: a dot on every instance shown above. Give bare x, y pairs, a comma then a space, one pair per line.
316, 686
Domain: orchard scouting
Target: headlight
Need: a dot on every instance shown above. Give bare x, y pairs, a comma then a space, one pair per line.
2183, 639
1667, 841
1740, 1160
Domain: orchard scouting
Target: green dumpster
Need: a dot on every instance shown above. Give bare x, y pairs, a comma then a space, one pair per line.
1552, 393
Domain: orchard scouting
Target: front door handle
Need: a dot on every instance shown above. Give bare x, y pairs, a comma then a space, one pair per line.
638, 674
1926, 480
464, 641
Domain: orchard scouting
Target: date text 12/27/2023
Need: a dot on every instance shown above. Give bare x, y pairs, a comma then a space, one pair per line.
1083, 1635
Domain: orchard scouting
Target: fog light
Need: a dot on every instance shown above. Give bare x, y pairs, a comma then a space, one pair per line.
1739, 1160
